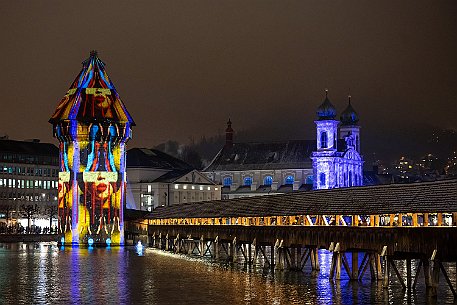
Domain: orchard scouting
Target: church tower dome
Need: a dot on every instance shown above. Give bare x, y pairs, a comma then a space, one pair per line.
349, 116
326, 111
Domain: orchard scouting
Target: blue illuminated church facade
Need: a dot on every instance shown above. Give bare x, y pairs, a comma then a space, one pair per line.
337, 161
331, 160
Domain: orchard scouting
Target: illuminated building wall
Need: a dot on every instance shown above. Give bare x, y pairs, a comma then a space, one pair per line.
337, 161
92, 126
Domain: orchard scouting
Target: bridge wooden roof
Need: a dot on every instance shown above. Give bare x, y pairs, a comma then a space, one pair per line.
440, 196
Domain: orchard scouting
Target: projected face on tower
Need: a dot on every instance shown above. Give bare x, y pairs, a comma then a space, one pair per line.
92, 126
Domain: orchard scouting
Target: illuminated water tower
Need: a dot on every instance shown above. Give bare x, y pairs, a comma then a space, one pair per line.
93, 127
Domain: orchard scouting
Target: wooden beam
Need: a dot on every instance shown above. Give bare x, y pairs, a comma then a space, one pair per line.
447, 279
426, 219
418, 270
415, 220
440, 219
355, 220
397, 273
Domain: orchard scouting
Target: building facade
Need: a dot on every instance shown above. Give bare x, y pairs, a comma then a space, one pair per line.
158, 179
331, 160
337, 161
28, 184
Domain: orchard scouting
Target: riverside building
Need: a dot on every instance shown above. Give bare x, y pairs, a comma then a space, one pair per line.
158, 179
28, 183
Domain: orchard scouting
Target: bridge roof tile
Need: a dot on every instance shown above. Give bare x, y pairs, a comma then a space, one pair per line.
440, 196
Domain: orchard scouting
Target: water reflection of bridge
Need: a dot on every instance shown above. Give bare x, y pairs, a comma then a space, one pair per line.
415, 223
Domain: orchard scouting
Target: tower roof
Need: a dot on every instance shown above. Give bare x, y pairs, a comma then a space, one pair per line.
349, 116
326, 111
92, 97
229, 126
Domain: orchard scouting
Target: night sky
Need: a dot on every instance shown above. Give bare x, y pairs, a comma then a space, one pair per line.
183, 68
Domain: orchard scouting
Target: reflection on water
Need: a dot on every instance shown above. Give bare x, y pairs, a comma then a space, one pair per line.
45, 274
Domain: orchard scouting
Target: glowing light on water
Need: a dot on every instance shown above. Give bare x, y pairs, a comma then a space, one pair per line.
108, 242
90, 242
62, 240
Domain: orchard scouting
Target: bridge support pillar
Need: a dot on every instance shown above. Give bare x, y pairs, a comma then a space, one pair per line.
314, 259
355, 266
233, 250
216, 247
385, 280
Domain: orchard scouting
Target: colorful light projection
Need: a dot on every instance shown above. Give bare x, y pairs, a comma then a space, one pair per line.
92, 126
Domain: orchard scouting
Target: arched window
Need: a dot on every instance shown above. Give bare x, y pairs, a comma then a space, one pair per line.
350, 178
247, 181
323, 139
268, 180
310, 179
289, 180
322, 179
227, 181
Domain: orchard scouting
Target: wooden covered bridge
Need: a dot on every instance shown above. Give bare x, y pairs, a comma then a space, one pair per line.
412, 222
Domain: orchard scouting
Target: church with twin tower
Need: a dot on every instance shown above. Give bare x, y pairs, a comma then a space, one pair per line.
337, 161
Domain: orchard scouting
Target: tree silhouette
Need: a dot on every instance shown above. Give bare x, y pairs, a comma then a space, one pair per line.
51, 210
29, 211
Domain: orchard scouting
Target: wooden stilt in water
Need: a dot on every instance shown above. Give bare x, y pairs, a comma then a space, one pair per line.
446, 277
234, 250
272, 257
427, 276
216, 247
385, 281
408, 274
397, 273
355, 266
418, 270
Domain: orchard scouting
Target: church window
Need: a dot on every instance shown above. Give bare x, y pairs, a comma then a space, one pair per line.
322, 179
268, 180
324, 140
247, 181
350, 178
227, 181
289, 180
310, 179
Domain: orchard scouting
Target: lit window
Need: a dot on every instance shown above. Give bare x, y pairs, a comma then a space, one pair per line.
185, 187
227, 181
193, 187
289, 180
149, 188
268, 180
209, 188
324, 140
176, 186
322, 179
201, 187
310, 179
247, 181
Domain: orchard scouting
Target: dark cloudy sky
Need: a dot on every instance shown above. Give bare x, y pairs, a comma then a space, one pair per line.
183, 67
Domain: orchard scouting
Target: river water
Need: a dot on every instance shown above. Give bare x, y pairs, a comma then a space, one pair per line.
42, 273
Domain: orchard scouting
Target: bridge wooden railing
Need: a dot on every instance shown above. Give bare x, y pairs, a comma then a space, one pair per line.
383, 220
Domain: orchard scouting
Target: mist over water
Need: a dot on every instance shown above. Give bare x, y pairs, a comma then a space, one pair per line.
42, 273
